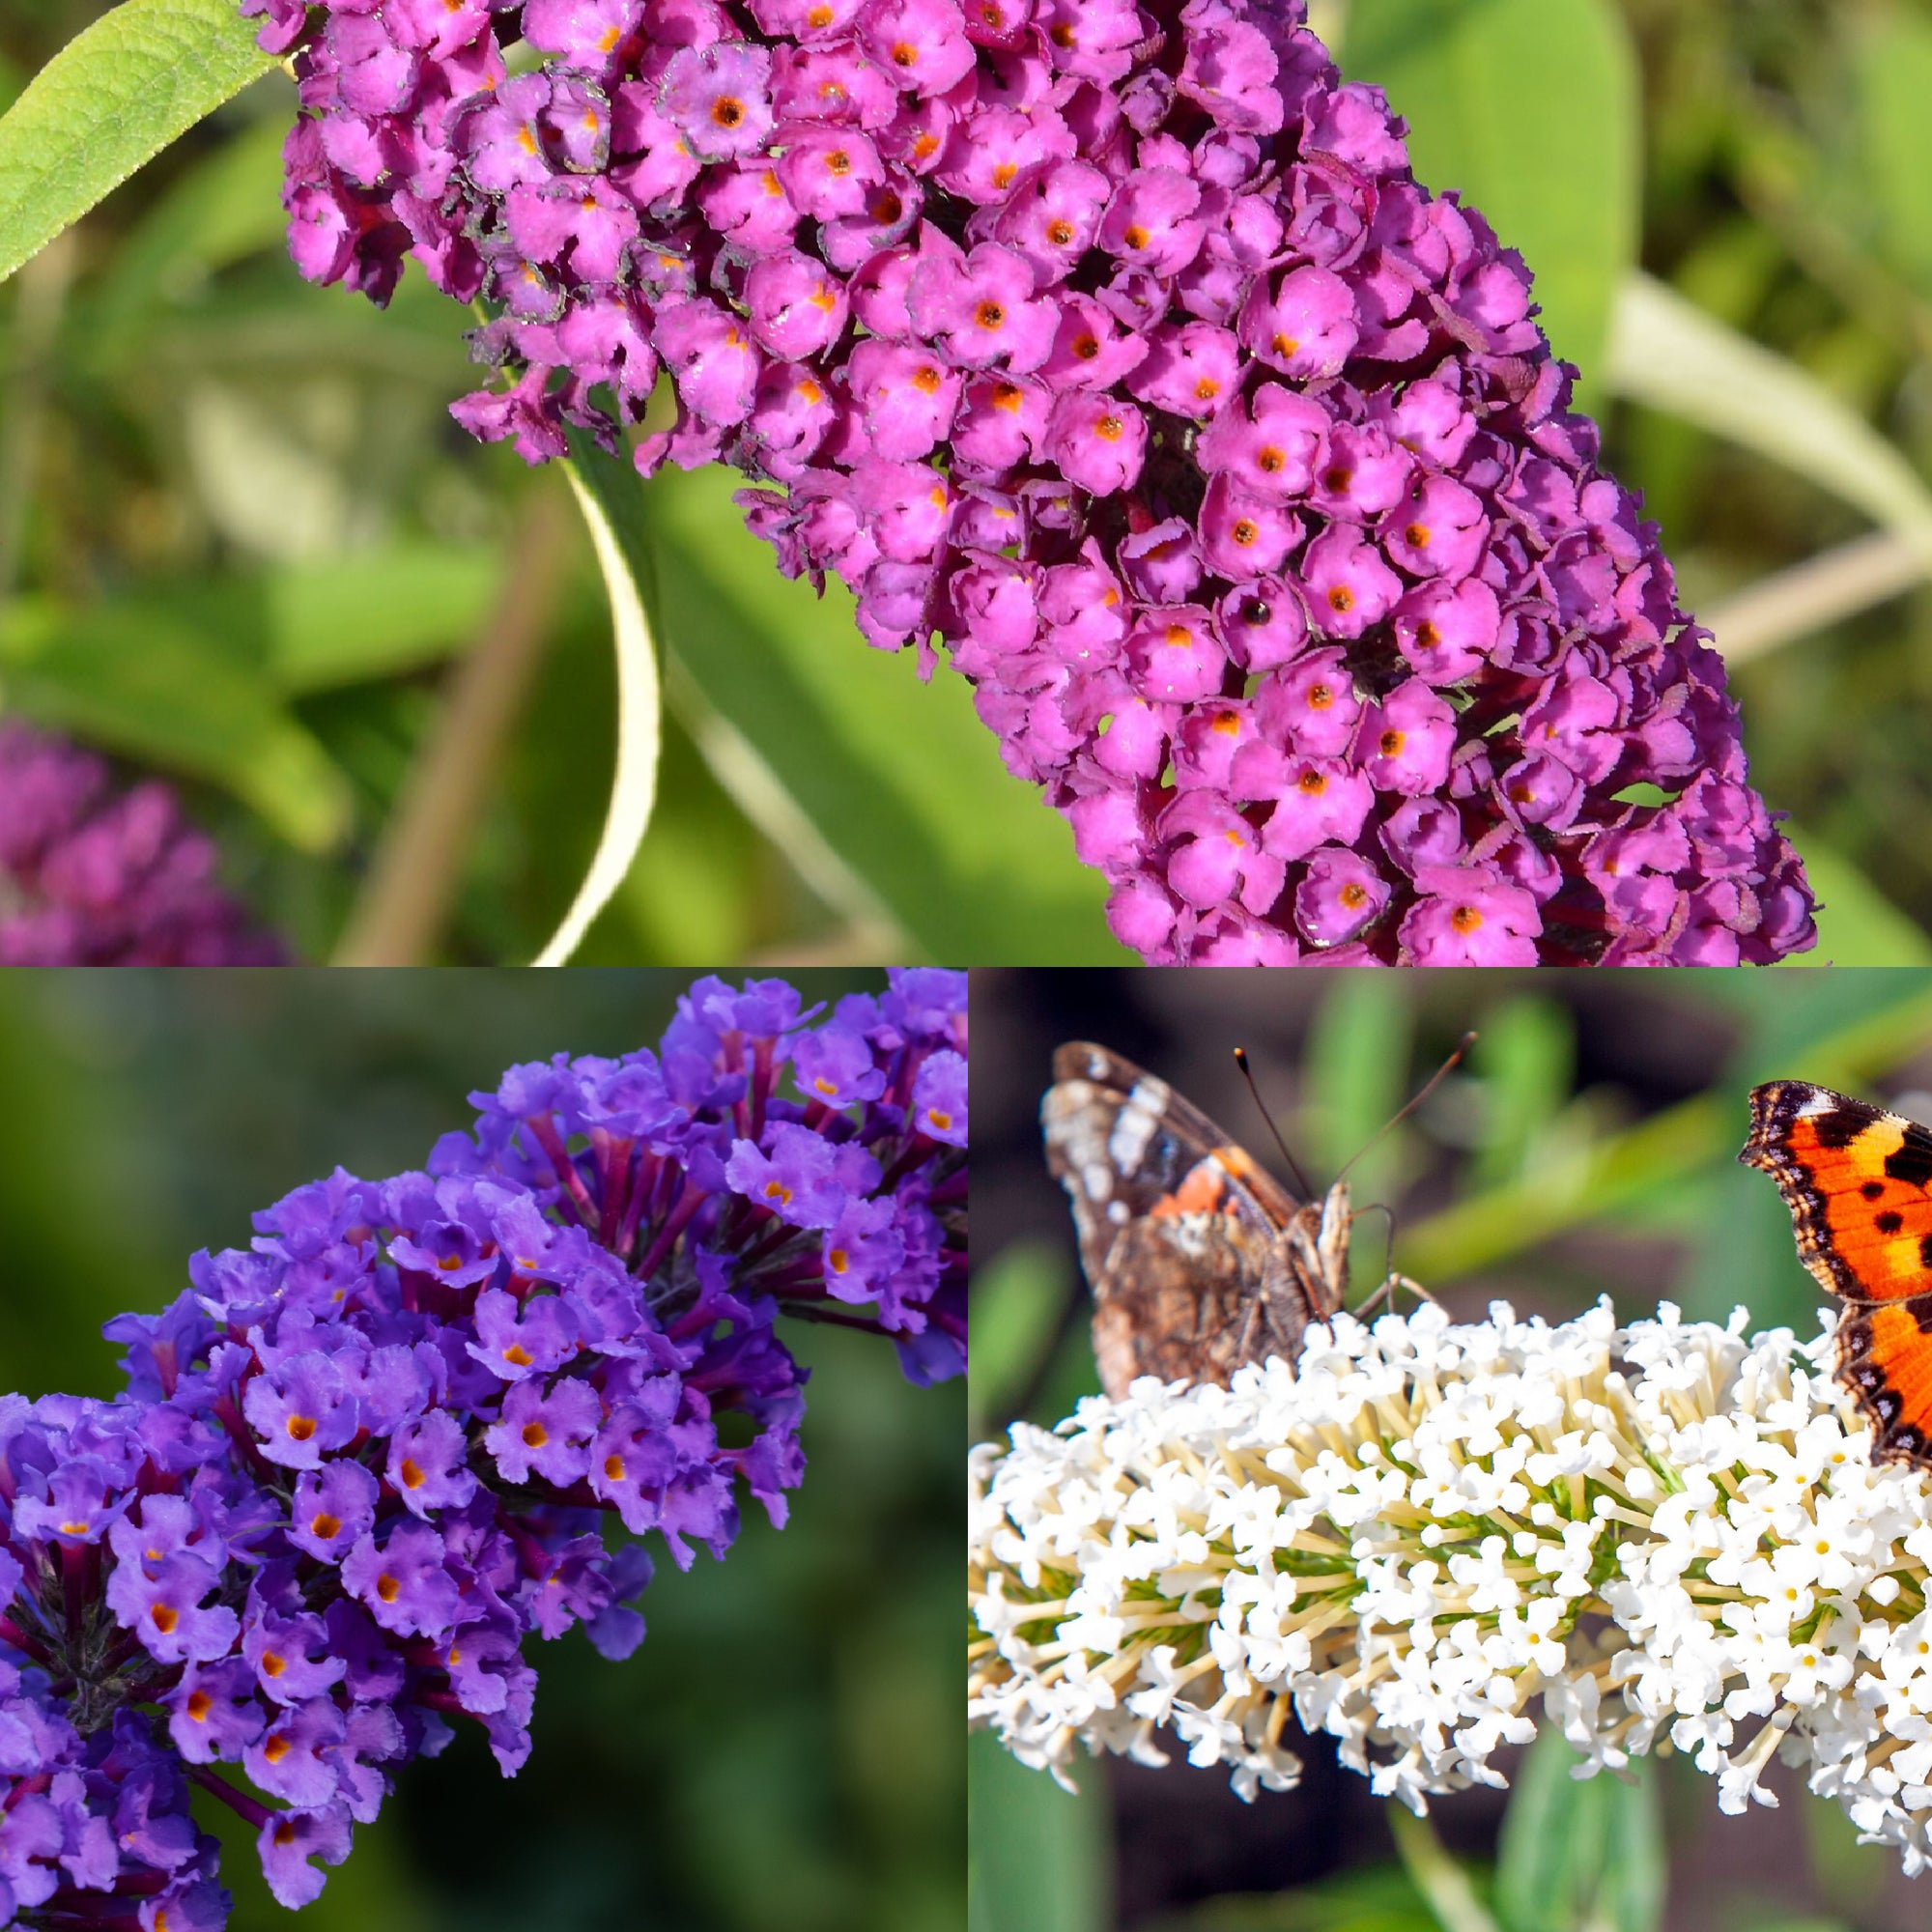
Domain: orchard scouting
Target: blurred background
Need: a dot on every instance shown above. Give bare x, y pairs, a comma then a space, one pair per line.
1587, 1147
241, 540
782, 1749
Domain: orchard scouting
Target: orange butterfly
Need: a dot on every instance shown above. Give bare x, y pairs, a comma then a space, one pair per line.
1858, 1184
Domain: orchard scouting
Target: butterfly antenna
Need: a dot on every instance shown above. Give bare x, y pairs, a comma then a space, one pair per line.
1394, 1121
1293, 1166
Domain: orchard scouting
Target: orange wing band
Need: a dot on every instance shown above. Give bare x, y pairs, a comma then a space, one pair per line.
1856, 1183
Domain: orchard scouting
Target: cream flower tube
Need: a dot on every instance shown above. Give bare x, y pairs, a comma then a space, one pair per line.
1427, 1537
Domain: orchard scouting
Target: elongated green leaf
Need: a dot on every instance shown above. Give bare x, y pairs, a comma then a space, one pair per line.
171, 696
1892, 71
611, 515
1355, 1072
1367, 1898
1599, 1178
375, 613
111, 99
1036, 1855
1530, 110
1630, 1886
1674, 357
1526, 1056
897, 782
1579, 1853
318, 625
1017, 1297
1444, 1883
1549, 1817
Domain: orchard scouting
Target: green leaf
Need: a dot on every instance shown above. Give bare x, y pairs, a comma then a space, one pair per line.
1578, 1855
1441, 1881
1673, 357
1892, 75
171, 696
1856, 1025
314, 625
1858, 925
1369, 1898
1528, 110
375, 613
1526, 1054
111, 99
1355, 1070
1018, 1299
612, 516
891, 788
1037, 1856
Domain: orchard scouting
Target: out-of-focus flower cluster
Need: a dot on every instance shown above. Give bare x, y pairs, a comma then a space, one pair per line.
92, 874
1117, 346
359, 1463
1671, 1534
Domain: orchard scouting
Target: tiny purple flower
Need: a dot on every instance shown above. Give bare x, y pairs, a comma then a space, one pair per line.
301, 1410
404, 1583
426, 1465
528, 1339
549, 1431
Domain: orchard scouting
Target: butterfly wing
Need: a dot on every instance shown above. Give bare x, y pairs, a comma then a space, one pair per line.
1858, 1182
1180, 1232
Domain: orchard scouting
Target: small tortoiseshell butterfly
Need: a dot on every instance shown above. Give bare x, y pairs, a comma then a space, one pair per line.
1200, 1260
1858, 1184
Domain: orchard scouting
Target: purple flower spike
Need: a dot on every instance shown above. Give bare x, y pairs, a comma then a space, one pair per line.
92, 876
1115, 347
324, 1543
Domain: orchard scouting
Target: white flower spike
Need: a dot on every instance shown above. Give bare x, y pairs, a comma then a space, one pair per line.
1426, 1538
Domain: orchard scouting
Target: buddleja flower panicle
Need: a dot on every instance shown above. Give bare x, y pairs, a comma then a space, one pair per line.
93, 874
356, 1465
1117, 347
1669, 1536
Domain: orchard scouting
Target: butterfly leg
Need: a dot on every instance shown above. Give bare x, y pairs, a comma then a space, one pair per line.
1387, 1292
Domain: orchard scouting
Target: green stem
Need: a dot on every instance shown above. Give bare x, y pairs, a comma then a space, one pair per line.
1444, 1883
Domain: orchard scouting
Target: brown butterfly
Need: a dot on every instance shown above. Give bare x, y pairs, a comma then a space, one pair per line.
1200, 1260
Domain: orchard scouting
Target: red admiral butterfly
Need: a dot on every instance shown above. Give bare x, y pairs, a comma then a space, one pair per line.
1200, 1260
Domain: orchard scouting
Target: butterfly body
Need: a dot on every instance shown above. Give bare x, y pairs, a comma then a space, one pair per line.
1199, 1259
1858, 1182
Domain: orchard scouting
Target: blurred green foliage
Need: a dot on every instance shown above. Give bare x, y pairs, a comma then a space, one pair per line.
782, 1749
241, 540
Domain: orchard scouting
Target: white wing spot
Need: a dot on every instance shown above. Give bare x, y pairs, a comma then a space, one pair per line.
1098, 1178
1136, 1122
